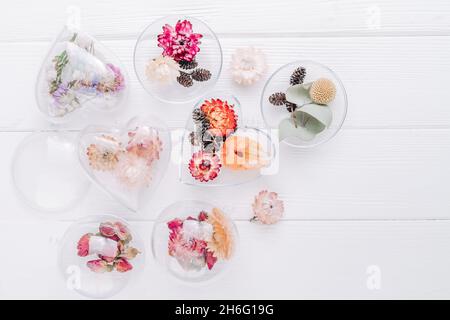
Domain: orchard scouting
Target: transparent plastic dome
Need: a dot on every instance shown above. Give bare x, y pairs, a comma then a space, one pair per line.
129, 162
331, 115
217, 150
99, 255
172, 76
46, 172
79, 74
194, 241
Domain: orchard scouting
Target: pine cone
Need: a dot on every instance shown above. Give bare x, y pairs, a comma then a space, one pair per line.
210, 143
188, 65
198, 116
298, 76
277, 98
185, 80
193, 138
201, 74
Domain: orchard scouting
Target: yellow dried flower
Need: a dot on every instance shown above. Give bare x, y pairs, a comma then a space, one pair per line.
104, 155
222, 242
322, 91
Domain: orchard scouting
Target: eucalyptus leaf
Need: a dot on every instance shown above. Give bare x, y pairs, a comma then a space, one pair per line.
321, 113
298, 94
289, 128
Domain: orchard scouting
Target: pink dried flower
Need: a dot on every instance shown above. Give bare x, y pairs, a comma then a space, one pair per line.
107, 259
210, 259
267, 208
122, 265
130, 253
83, 245
115, 231
204, 166
99, 266
145, 143
108, 230
180, 42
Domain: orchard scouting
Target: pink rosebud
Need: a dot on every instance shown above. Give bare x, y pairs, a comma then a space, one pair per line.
107, 229
202, 216
83, 245
107, 259
210, 259
99, 266
122, 231
122, 265
130, 253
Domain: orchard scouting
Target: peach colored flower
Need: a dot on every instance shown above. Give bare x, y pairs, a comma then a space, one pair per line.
133, 171
104, 155
268, 209
222, 242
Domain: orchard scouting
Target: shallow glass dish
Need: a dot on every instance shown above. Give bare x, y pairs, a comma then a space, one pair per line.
194, 241
99, 255
177, 59
280, 81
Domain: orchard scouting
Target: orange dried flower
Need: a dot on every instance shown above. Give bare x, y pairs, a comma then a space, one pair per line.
222, 242
104, 155
221, 116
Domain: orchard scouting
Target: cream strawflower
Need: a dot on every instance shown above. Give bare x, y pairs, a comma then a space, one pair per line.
248, 65
163, 70
267, 208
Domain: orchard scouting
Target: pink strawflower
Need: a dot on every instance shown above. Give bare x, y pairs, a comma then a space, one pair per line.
99, 266
122, 265
204, 166
180, 42
83, 245
268, 209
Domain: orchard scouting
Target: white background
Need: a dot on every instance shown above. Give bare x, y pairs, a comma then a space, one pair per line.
375, 195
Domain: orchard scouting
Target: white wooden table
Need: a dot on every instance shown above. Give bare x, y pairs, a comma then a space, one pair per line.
367, 214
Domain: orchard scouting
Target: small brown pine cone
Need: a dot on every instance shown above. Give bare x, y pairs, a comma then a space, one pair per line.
188, 65
185, 80
290, 106
201, 74
298, 76
277, 98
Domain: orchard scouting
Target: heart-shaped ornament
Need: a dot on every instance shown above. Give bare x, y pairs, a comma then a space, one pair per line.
79, 73
128, 163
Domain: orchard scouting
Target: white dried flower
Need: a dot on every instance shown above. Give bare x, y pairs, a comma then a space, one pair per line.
248, 65
163, 70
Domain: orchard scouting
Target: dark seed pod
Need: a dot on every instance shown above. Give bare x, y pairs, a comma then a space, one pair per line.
199, 116
193, 138
290, 106
185, 80
298, 76
201, 74
188, 65
277, 98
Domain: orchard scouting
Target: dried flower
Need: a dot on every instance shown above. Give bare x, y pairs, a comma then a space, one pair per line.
322, 91
163, 69
116, 231
133, 171
122, 265
201, 74
144, 142
204, 166
130, 253
180, 42
221, 117
248, 65
222, 242
298, 76
83, 245
104, 155
99, 266
114, 83
243, 153
185, 79
267, 208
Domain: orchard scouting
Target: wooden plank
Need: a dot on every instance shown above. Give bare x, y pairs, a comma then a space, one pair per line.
23, 20
291, 260
361, 174
391, 82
